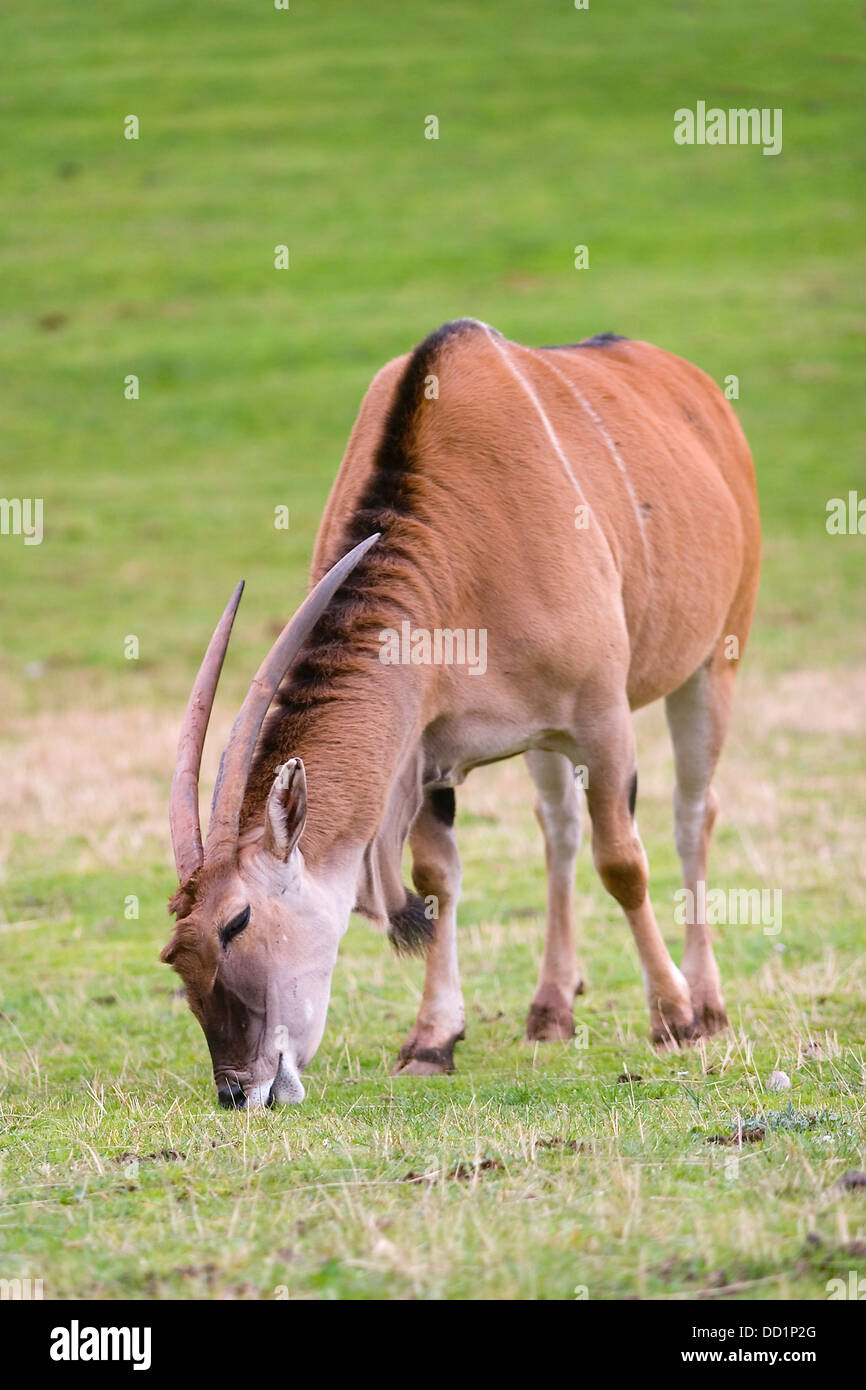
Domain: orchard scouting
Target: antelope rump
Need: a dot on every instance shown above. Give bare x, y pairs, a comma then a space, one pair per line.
592, 510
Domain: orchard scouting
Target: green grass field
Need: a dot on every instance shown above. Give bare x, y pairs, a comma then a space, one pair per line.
532, 1172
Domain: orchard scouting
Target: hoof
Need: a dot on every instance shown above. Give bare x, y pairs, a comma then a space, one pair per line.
551, 1015
709, 1019
706, 992
419, 1066
415, 1060
546, 1023
672, 1032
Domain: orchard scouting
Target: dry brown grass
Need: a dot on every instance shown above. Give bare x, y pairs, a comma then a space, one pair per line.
99, 782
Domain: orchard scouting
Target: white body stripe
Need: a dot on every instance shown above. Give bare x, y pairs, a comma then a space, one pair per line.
499, 344
593, 415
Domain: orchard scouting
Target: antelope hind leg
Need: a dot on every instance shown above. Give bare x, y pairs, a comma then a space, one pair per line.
698, 715
622, 867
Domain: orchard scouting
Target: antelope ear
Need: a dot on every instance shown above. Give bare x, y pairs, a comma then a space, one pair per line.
286, 809
182, 939
168, 953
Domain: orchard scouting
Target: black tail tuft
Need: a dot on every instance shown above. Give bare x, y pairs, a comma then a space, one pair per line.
411, 930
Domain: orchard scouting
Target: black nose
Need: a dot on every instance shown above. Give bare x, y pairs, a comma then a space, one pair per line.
232, 1097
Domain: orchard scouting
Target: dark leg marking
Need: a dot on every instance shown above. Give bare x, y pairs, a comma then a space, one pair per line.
440, 1057
443, 804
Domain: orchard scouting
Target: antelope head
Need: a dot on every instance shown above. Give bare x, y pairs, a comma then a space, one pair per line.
256, 936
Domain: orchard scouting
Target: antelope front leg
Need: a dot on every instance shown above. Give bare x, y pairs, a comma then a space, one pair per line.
558, 811
429, 1048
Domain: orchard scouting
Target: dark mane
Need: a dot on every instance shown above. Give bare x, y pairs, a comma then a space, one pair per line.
344, 636
598, 340
388, 493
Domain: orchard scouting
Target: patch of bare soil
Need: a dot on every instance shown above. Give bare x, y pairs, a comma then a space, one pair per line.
461, 1172
852, 1181
164, 1156
755, 1134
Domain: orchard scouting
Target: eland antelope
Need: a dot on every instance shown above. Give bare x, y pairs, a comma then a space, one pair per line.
592, 509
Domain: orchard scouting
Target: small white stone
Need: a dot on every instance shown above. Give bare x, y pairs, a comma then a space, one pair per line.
779, 1081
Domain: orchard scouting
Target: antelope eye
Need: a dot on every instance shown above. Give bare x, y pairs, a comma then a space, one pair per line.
235, 924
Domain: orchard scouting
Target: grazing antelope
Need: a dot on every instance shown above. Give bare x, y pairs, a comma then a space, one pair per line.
592, 509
